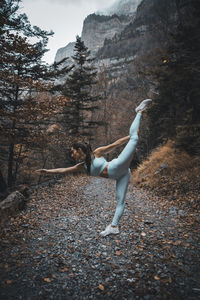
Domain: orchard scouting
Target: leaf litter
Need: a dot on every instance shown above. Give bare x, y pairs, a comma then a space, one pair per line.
53, 250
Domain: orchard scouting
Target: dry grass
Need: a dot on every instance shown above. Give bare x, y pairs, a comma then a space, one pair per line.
180, 176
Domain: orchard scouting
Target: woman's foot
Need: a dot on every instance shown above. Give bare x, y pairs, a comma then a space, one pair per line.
143, 105
110, 230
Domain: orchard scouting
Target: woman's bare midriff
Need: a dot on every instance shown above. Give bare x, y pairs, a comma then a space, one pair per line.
104, 173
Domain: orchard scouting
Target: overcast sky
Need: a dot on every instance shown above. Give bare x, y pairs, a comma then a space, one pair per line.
64, 17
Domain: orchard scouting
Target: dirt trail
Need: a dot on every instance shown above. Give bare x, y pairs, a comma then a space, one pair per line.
53, 250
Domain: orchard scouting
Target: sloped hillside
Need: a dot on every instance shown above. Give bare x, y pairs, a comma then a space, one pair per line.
171, 173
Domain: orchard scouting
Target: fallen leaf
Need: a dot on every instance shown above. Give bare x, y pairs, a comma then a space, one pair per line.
101, 287
64, 270
9, 281
156, 277
177, 243
118, 253
47, 279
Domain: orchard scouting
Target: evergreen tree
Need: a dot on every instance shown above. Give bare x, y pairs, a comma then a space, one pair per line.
23, 76
78, 88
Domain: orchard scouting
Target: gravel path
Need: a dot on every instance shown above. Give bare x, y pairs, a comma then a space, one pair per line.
53, 250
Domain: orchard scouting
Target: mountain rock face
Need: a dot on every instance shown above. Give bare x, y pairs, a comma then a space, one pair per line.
64, 52
136, 37
97, 27
122, 7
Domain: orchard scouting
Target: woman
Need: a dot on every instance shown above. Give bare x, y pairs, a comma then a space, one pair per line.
118, 168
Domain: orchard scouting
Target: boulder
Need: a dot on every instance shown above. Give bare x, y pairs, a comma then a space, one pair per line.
13, 203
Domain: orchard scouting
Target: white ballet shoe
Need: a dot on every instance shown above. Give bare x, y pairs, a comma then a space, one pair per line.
110, 230
143, 105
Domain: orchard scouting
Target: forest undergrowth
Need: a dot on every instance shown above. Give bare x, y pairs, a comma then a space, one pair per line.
171, 174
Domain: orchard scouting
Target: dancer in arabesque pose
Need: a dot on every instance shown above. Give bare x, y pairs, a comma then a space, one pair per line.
118, 169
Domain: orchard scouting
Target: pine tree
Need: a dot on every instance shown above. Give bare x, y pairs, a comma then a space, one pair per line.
78, 88
23, 76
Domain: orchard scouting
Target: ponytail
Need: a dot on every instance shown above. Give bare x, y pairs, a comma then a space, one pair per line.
88, 158
86, 148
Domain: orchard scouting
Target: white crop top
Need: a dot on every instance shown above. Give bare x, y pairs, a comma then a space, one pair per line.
97, 165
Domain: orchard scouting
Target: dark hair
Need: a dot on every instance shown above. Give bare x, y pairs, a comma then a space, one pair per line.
86, 148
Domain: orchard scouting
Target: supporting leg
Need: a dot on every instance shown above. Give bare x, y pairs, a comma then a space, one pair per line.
121, 189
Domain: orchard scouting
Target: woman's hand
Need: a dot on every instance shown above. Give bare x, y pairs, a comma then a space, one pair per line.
41, 171
109, 148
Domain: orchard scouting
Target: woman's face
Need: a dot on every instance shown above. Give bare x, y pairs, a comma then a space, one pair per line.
78, 154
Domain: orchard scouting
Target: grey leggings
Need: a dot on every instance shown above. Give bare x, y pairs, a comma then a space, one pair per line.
118, 169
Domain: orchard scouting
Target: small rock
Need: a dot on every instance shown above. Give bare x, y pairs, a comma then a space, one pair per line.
160, 169
173, 210
181, 213
148, 222
131, 279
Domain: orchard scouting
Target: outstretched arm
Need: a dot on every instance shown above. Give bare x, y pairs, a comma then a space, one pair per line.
76, 168
109, 148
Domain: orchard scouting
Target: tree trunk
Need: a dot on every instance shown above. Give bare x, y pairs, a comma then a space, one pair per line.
10, 165
17, 164
3, 185
11, 146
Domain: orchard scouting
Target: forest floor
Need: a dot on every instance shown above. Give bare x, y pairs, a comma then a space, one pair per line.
53, 250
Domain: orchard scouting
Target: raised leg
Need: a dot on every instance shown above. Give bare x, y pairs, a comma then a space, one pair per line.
126, 156
119, 166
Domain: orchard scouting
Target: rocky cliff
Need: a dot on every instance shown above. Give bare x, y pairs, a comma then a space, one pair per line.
103, 26
137, 36
64, 52
122, 7
96, 29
